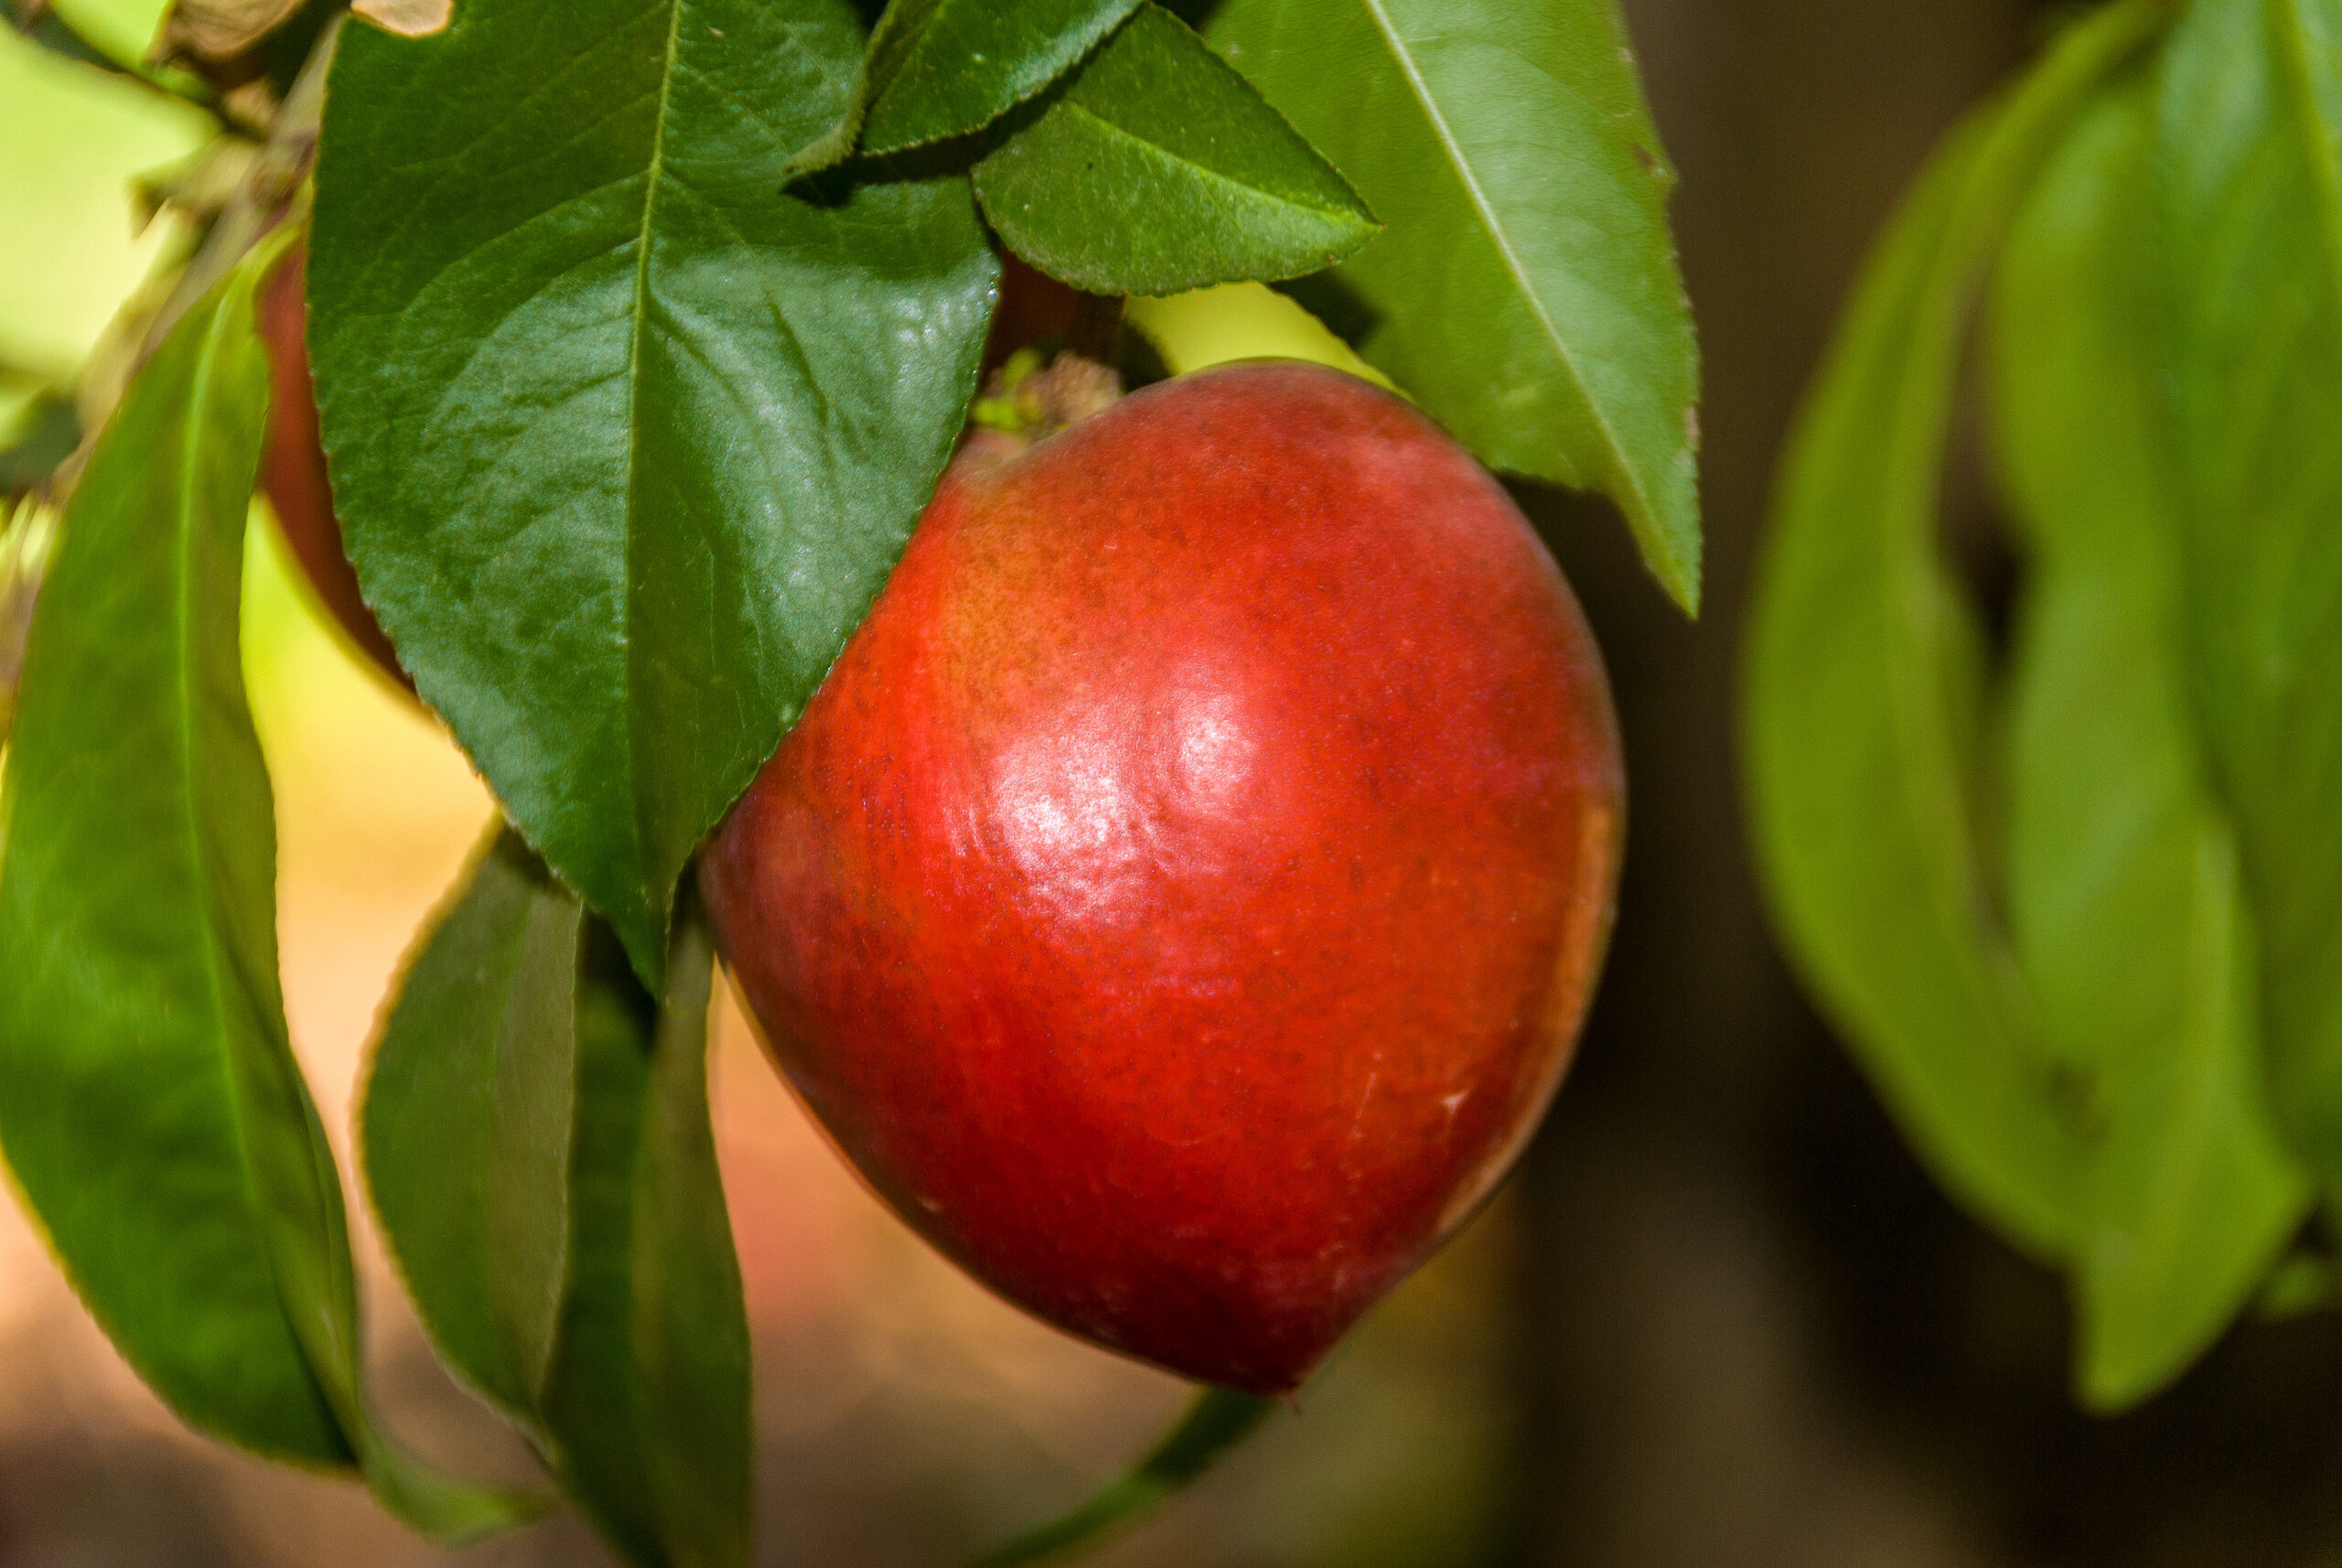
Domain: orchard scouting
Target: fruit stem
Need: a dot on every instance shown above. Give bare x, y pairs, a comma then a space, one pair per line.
1029, 402
1096, 332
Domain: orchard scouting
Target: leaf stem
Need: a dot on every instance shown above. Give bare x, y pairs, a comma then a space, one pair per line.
1215, 1423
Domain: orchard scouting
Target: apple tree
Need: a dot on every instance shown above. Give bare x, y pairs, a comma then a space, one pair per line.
639, 336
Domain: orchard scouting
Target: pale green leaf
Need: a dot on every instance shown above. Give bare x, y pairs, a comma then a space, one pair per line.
2251, 175
1526, 291
1861, 782
2124, 900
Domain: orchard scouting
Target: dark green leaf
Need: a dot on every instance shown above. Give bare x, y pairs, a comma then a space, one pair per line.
938, 69
649, 1405
1158, 169
1218, 1422
625, 441
539, 1149
1860, 782
150, 1105
1527, 292
465, 1124
2252, 138
2124, 902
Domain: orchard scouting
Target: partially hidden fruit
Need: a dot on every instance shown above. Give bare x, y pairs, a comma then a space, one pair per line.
293, 461
293, 465
1181, 901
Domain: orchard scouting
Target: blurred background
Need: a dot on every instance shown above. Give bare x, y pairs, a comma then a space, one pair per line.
1720, 1320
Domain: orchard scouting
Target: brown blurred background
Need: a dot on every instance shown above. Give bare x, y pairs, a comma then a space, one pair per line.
1720, 1321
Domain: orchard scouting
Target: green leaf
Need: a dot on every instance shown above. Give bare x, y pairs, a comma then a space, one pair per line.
1159, 168
938, 69
1526, 292
465, 1126
650, 1401
1861, 798
625, 441
2125, 902
2251, 137
538, 1147
150, 1105
125, 29
1216, 1423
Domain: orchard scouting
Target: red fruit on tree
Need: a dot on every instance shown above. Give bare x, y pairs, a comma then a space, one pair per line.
293, 464
1181, 899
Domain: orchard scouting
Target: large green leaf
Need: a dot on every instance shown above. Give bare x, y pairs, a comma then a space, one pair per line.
2125, 902
465, 1127
938, 69
537, 1144
1526, 292
1157, 169
2251, 141
150, 1105
626, 440
1218, 1420
1863, 684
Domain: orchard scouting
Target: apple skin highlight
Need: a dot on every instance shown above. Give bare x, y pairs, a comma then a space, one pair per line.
1182, 899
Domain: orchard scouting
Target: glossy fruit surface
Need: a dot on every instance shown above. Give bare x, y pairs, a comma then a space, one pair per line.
1181, 901
293, 464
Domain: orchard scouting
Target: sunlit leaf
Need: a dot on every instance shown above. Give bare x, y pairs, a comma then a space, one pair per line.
625, 440
1862, 674
1157, 169
2125, 902
1526, 292
69, 246
125, 29
2252, 160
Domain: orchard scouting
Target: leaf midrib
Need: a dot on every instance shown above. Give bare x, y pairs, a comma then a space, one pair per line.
186, 479
187, 482
636, 351
1163, 154
1500, 238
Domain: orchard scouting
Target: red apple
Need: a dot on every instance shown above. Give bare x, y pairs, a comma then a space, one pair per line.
1181, 899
